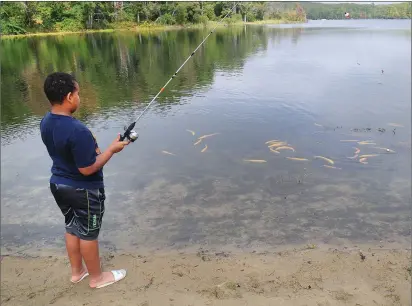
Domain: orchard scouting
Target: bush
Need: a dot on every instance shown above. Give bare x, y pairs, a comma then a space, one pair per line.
8, 28
123, 25
234, 18
146, 24
69, 25
203, 19
250, 17
167, 19
181, 13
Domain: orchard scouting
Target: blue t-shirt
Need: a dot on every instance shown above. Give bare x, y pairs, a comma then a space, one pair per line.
71, 145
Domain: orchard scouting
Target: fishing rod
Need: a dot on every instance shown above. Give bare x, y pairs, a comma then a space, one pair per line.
129, 133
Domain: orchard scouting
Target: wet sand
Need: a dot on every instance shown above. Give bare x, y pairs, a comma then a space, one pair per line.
306, 275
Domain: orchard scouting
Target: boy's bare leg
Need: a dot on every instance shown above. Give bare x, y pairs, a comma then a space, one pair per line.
75, 257
90, 253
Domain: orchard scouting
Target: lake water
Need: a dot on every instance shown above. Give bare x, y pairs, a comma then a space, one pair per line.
310, 85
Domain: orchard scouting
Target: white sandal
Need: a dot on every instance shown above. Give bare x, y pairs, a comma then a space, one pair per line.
81, 278
118, 275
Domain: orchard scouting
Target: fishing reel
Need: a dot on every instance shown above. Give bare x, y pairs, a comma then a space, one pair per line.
129, 133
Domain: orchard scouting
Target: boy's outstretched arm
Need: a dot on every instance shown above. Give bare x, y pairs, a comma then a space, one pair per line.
83, 149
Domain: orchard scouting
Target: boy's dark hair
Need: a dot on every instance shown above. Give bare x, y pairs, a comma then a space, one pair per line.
57, 85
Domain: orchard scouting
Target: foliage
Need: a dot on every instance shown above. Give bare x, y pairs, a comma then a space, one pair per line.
21, 17
358, 11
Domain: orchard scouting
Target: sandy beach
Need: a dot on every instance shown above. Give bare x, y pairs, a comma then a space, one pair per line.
306, 275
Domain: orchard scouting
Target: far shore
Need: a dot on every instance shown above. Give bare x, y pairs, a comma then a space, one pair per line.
147, 28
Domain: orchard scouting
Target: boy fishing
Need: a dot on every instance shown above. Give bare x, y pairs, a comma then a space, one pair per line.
77, 178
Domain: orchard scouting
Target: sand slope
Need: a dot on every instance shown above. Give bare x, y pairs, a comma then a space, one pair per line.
318, 277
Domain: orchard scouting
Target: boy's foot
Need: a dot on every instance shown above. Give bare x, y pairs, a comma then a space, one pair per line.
108, 278
79, 277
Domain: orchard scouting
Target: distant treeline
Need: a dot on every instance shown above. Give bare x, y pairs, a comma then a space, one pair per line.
358, 11
32, 17
24, 17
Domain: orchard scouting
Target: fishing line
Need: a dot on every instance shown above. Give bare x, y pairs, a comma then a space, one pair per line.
129, 132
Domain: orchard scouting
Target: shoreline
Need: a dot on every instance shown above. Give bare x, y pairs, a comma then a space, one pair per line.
151, 27
300, 276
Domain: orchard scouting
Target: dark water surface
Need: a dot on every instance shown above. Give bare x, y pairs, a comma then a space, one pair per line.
309, 85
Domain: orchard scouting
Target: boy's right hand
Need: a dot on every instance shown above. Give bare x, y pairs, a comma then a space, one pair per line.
116, 146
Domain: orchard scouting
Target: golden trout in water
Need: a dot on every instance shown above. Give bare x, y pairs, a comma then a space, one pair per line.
205, 136
271, 141
204, 149
357, 150
285, 148
395, 124
277, 144
190, 131
386, 149
327, 159
296, 158
368, 155
363, 160
332, 167
255, 160
366, 143
165, 152
274, 150
197, 142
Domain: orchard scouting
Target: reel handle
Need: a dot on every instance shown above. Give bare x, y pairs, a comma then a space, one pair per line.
129, 133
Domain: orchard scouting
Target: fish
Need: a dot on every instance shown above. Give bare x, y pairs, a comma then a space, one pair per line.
255, 160
395, 124
386, 149
277, 144
332, 167
204, 149
190, 131
327, 159
274, 151
366, 143
271, 141
368, 155
165, 152
297, 158
367, 140
318, 124
357, 150
349, 140
197, 142
363, 160
209, 135
285, 148
353, 157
